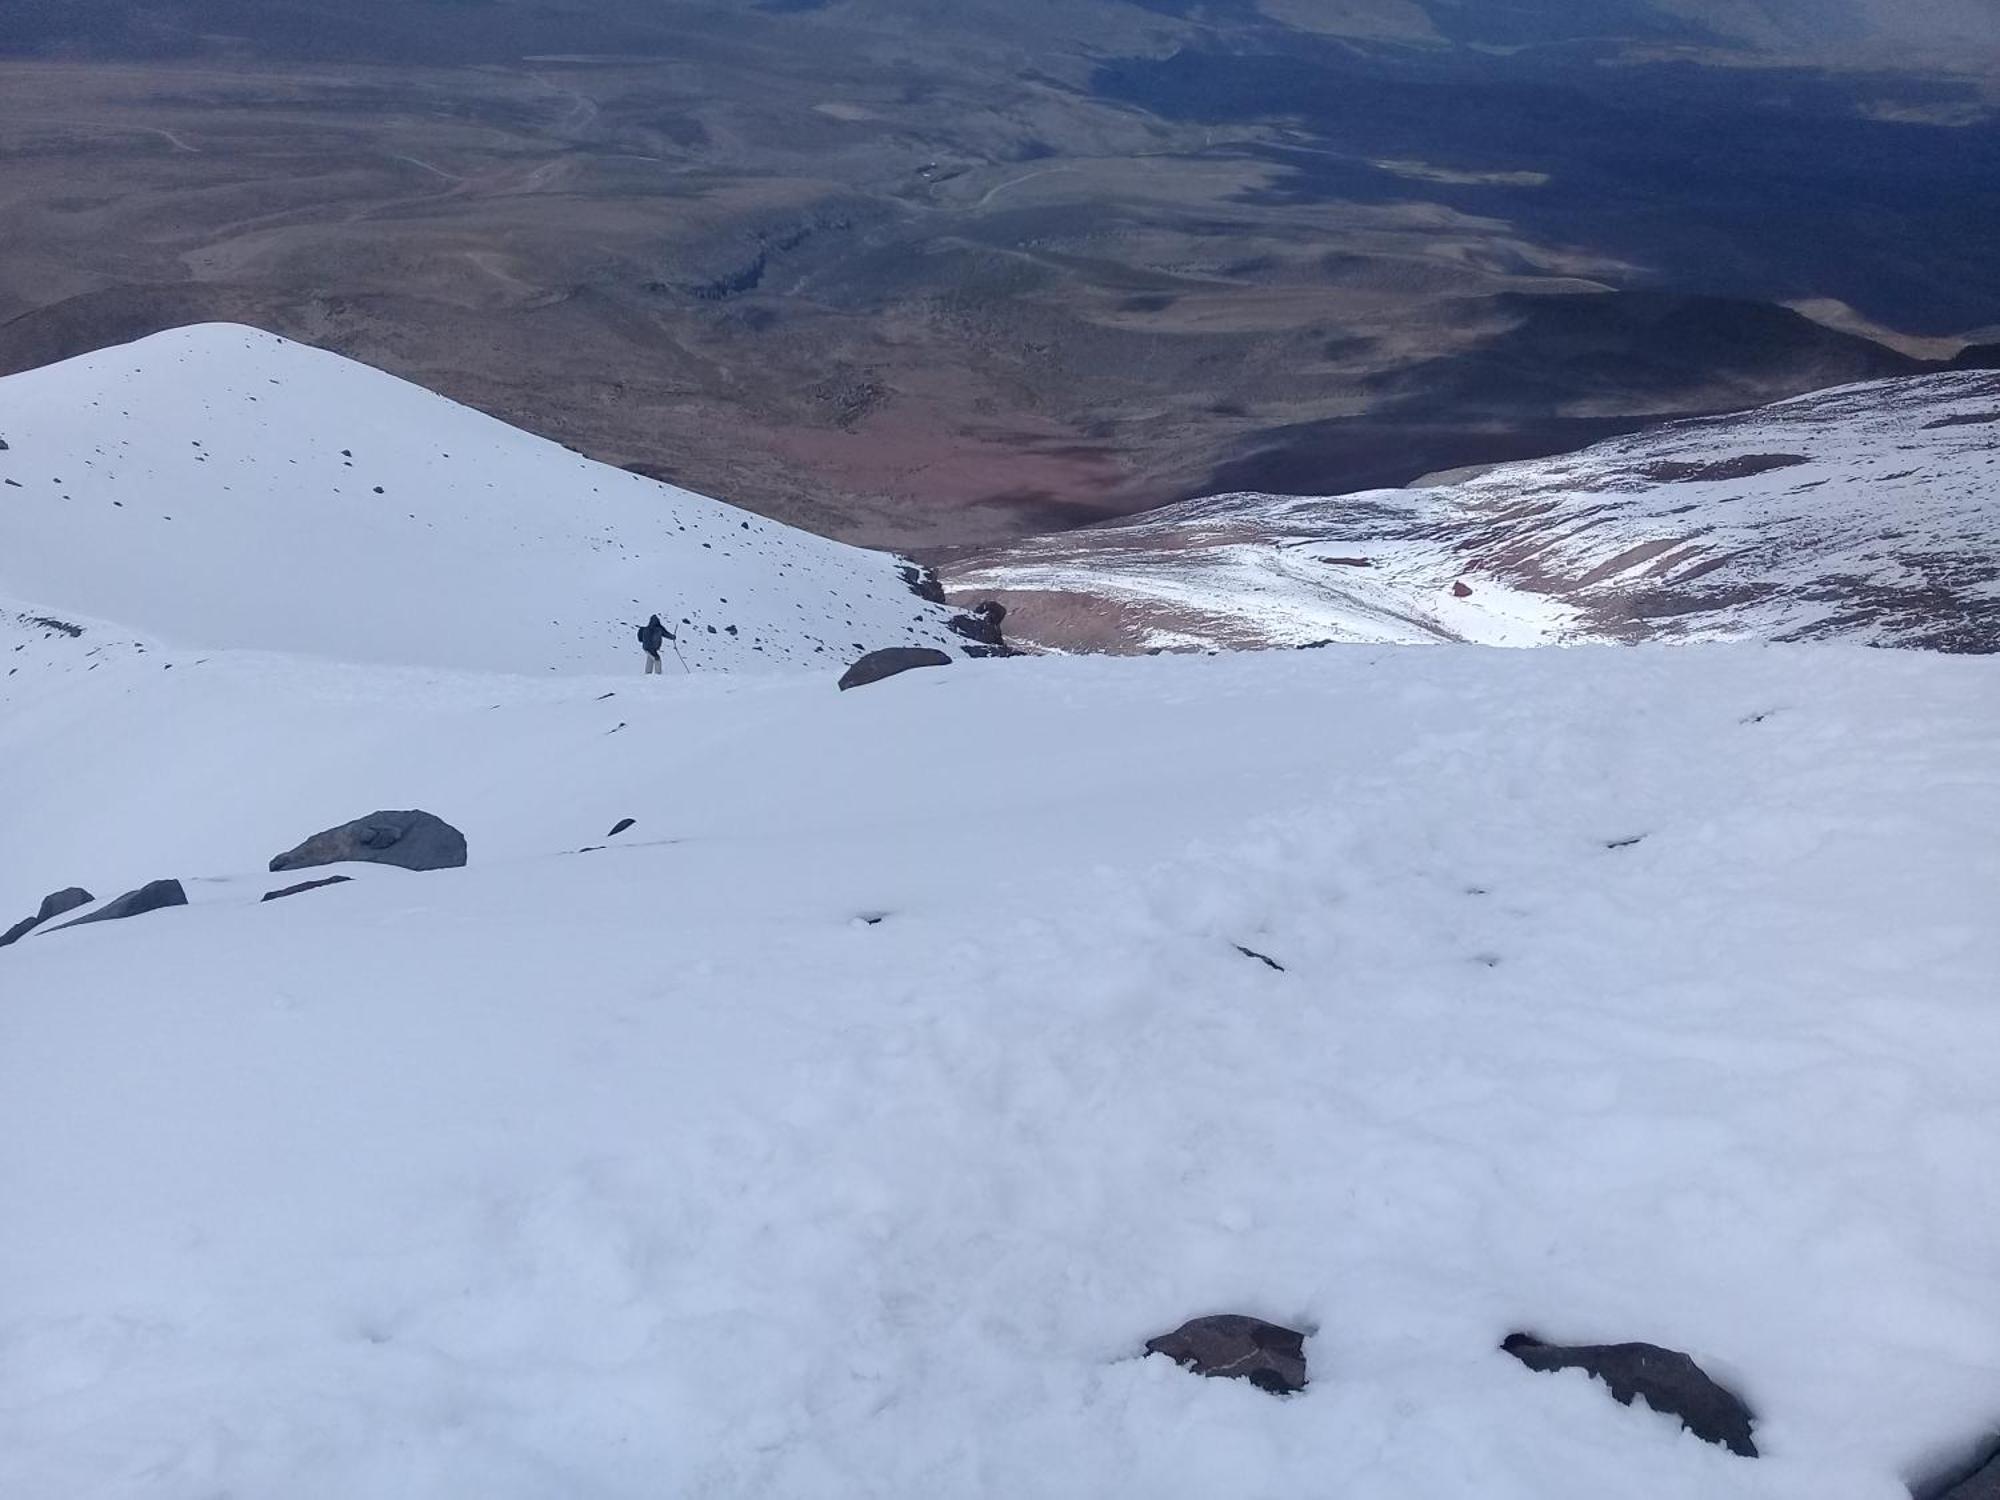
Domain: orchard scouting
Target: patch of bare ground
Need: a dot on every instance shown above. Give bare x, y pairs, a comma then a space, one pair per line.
1059, 621
912, 285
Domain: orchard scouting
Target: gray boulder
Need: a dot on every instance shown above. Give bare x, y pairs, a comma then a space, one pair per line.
409, 840
151, 896
53, 906
1669, 1381
877, 665
1230, 1345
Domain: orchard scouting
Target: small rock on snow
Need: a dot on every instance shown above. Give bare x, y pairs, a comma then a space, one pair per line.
1669, 1381
877, 665
306, 885
53, 906
1232, 1345
411, 840
151, 896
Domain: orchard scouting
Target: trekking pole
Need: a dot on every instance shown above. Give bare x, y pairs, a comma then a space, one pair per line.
675, 637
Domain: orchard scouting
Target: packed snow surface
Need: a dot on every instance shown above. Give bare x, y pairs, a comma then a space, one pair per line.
847, 1125
220, 487
1869, 513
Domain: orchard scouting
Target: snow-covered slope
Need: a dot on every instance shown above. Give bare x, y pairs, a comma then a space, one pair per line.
846, 1125
220, 487
1870, 513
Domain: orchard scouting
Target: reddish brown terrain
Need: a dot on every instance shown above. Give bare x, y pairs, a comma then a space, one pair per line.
937, 276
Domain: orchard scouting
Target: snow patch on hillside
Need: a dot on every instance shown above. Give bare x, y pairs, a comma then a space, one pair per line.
1870, 513
220, 487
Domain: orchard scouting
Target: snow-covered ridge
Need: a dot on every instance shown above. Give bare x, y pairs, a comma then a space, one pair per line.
1869, 513
219, 487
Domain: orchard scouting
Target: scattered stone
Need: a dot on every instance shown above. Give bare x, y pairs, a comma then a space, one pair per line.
1231, 1345
410, 840
1262, 958
1637, 838
1461, 590
877, 665
1669, 1381
620, 826
53, 906
152, 896
308, 885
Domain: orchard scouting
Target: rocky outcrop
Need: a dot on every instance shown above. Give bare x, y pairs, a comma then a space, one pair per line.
410, 840
53, 906
877, 665
152, 896
1668, 1380
921, 581
1233, 1346
981, 623
305, 885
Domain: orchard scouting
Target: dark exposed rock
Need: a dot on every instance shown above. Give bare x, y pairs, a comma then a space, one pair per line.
411, 840
151, 896
877, 665
1979, 1480
620, 826
53, 906
921, 581
1263, 958
981, 623
1743, 466
306, 885
1461, 590
1669, 1381
1232, 1345
67, 899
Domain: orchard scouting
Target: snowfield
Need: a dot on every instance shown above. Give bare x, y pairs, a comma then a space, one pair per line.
221, 487
846, 1125
1869, 513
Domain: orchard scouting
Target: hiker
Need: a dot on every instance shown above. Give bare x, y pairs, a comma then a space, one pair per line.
653, 635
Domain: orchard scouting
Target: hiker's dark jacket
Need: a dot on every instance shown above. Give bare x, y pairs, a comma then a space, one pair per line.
653, 635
